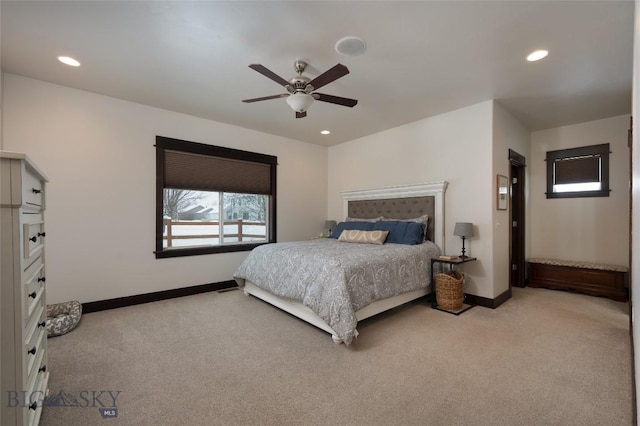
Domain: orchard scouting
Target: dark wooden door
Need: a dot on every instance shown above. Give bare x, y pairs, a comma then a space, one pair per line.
517, 209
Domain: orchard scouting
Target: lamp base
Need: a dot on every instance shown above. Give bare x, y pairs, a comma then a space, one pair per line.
463, 256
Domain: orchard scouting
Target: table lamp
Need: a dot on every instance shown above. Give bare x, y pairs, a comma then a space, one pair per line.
330, 225
464, 230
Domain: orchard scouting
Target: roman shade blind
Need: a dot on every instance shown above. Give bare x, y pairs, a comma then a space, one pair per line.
201, 167
577, 170
183, 170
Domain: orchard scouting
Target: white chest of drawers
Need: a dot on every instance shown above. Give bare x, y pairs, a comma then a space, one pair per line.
23, 313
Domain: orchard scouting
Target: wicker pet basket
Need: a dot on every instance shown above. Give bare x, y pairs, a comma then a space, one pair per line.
449, 294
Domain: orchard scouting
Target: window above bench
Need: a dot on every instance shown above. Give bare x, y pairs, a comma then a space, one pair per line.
578, 172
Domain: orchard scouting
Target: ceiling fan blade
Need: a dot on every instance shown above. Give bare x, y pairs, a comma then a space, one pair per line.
266, 98
269, 74
336, 100
301, 114
328, 76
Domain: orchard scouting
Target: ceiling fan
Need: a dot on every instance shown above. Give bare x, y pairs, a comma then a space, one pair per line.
302, 89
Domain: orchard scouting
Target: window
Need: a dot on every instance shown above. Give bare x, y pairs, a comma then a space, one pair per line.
211, 199
578, 172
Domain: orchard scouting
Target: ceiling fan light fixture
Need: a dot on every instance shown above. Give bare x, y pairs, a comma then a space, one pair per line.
300, 102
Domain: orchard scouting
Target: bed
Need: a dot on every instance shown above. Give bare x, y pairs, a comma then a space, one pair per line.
333, 284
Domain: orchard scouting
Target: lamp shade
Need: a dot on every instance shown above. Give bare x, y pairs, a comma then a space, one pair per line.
463, 229
300, 102
330, 225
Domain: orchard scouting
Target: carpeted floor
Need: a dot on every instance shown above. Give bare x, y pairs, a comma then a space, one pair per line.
543, 358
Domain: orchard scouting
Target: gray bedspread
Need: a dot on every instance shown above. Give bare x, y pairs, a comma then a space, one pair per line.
335, 279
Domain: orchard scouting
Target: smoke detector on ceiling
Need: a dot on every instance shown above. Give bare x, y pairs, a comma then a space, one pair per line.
351, 46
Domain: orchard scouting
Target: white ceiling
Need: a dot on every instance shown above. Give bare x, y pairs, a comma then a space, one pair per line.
423, 58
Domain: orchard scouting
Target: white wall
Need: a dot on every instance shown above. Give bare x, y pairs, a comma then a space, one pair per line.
99, 156
591, 229
455, 147
508, 133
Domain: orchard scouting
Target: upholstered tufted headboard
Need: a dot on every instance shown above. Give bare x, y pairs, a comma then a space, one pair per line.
395, 208
401, 202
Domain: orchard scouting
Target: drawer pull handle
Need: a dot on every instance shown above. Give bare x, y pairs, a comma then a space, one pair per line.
32, 351
42, 234
33, 406
42, 279
42, 369
33, 295
34, 239
36, 191
42, 324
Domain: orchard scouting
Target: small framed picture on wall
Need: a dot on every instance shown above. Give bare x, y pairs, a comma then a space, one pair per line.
502, 192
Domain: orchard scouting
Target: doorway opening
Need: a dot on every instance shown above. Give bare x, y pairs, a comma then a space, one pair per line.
517, 272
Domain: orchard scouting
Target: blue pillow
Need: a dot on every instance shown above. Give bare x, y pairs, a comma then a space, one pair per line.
359, 226
409, 233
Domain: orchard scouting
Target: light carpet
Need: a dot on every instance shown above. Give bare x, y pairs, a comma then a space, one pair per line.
542, 358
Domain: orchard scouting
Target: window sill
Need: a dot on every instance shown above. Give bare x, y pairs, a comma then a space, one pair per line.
193, 251
578, 194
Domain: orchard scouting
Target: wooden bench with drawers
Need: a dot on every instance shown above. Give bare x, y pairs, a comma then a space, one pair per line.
590, 278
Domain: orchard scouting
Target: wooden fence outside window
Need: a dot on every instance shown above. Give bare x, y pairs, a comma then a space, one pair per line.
240, 234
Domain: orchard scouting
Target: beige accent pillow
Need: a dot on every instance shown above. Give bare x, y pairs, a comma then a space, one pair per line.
364, 237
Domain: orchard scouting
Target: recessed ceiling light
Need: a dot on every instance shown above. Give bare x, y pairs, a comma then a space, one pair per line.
69, 61
325, 132
537, 55
351, 46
